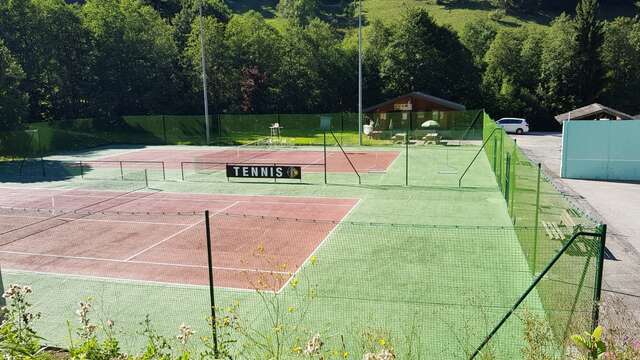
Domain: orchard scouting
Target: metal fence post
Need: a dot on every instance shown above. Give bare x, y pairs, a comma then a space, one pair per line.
164, 129
406, 151
536, 220
513, 180
597, 294
501, 158
324, 151
44, 172
211, 292
495, 156
507, 179
532, 286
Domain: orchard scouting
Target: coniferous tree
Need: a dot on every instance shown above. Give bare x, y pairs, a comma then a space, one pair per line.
589, 38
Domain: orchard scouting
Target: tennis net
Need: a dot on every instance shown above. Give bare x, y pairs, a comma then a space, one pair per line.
212, 164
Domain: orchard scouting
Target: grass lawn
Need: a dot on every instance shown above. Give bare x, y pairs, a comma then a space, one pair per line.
455, 15
443, 270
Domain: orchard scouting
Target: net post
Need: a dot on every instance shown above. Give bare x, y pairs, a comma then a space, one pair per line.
324, 154
81, 170
597, 294
536, 220
164, 130
122, 171
341, 125
146, 179
164, 173
406, 160
182, 170
44, 172
214, 330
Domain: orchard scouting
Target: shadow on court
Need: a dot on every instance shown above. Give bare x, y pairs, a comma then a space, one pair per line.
31, 171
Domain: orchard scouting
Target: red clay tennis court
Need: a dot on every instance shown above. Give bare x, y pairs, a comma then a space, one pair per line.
311, 160
161, 237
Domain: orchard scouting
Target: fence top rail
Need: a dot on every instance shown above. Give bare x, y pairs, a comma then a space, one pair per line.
48, 211
251, 163
113, 161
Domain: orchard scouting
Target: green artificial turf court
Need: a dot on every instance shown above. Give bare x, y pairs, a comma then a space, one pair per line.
430, 267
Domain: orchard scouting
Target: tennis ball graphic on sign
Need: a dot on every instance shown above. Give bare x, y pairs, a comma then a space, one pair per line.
293, 172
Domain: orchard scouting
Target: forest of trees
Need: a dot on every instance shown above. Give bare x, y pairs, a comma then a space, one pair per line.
109, 58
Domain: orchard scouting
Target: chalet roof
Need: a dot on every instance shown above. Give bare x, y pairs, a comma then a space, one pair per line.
417, 94
593, 109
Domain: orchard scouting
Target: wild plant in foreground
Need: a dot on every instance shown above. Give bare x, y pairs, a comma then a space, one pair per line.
18, 339
88, 345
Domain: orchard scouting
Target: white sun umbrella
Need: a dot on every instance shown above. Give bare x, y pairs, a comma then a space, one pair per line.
430, 124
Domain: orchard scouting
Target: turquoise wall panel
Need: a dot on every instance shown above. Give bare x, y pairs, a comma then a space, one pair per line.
601, 150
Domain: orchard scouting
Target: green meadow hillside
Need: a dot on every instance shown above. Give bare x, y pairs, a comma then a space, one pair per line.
452, 12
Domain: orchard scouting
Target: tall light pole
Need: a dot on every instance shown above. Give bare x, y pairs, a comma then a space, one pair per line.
204, 79
359, 72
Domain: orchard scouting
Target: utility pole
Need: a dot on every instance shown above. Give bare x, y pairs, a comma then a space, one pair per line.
204, 79
359, 72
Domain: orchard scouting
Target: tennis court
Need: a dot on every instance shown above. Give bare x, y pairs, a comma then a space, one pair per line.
435, 244
311, 160
109, 234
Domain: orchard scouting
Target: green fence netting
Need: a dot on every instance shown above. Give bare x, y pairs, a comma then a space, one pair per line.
428, 290
294, 129
567, 291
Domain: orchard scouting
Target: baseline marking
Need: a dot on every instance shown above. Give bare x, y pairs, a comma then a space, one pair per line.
140, 262
124, 280
100, 220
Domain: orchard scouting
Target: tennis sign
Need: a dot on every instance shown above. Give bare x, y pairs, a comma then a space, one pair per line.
264, 171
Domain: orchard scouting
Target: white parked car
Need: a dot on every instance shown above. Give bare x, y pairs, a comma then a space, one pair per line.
514, 125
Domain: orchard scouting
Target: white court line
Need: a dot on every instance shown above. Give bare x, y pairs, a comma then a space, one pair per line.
304, 263
106, 157
178, 233
97, 220
209, 194
124, 280
186, 193
254, 202
164, 240
139, 262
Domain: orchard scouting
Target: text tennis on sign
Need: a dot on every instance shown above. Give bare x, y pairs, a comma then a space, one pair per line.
264, 171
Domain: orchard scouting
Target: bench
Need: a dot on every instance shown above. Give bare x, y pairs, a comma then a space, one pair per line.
557, 231
567, 219
432, 138
399, 138
553, 231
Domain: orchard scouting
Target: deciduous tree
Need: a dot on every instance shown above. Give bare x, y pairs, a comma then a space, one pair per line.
13, 101
423, 56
